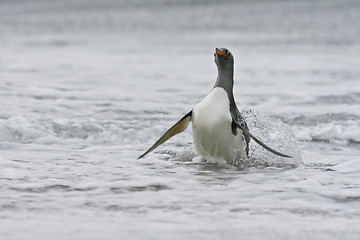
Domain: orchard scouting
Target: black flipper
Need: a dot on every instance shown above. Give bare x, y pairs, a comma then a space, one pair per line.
178, 127
240, 120
245, 129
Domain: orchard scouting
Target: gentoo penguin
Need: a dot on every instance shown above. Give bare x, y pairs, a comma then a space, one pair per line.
219, 130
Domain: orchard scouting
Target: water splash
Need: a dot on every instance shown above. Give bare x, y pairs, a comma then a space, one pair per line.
275, 134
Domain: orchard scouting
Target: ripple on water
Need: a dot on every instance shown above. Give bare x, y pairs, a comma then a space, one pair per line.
55, 187
151, 187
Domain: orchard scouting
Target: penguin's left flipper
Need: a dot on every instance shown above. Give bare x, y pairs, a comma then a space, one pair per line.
246, 132
178, 127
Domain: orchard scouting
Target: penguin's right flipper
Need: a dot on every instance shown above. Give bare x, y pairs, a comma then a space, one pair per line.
178, 127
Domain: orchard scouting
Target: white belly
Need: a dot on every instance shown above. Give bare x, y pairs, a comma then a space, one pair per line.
212, 133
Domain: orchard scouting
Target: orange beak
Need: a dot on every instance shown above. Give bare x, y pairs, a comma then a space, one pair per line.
218, 52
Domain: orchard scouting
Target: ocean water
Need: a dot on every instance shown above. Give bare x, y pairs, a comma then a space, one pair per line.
87, 86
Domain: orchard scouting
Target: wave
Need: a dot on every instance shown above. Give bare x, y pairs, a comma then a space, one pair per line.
25, 130
343, 132
142, 133
65, 131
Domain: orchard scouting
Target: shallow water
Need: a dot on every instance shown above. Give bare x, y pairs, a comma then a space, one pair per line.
87, 87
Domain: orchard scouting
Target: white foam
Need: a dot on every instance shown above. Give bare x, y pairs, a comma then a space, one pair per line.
20, 129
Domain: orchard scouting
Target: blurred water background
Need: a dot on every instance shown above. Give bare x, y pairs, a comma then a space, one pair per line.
87, 86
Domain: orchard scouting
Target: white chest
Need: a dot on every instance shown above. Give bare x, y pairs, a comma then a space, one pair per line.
213, 109
212, 132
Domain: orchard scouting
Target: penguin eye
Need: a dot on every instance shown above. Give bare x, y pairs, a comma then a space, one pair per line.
228, 54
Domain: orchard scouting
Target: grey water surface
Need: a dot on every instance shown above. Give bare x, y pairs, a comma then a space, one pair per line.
87, 86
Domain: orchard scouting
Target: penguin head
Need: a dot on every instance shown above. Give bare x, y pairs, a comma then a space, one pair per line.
225, 64
223, 58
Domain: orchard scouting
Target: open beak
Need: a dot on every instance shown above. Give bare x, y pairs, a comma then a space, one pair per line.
219, 52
